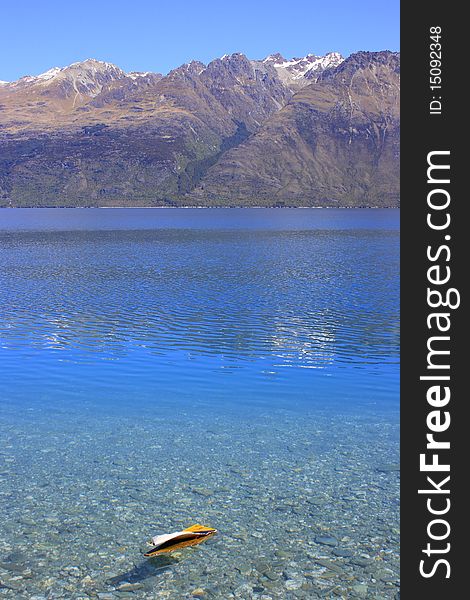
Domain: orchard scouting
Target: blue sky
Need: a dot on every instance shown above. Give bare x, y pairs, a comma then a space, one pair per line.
146, 35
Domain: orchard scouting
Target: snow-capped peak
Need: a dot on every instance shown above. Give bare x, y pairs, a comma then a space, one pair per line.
233, 56
85, 78
48, 74
299, 71
274, 58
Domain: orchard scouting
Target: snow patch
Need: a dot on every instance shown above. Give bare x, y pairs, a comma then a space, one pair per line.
49, 74
296, 70
137, 74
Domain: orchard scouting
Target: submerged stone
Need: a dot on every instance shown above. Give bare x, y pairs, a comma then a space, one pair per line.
361, 562
329, 565
342, 553
126, 586
293, 584
388, 468
326, 540
360, 589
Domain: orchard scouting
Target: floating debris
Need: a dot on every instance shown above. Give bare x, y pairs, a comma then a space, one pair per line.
191, 536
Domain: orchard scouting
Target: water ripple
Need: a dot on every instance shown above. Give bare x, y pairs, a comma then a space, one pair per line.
305, 297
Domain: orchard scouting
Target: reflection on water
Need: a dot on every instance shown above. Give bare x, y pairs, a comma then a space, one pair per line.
234, 368
307, 298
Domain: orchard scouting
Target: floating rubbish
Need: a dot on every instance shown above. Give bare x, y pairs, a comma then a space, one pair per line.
191, 536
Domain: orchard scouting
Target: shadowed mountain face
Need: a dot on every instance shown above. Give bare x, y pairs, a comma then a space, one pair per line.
308, 131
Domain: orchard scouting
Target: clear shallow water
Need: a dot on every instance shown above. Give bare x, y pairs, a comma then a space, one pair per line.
234, 367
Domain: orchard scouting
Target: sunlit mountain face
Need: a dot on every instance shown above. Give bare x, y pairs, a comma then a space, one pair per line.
309, 131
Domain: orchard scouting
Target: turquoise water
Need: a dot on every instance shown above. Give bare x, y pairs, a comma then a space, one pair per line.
237, 368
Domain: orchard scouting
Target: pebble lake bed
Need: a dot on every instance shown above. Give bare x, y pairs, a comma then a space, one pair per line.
243, 377
310, 512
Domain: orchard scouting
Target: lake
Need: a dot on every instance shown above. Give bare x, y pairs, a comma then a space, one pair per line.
233, 367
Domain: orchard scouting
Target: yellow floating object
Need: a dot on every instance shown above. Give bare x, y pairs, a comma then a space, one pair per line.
191, 536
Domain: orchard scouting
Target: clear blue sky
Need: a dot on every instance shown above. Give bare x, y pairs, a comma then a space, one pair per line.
155, 35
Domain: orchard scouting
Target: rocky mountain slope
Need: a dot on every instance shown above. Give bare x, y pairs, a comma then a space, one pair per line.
336, 142
305, 131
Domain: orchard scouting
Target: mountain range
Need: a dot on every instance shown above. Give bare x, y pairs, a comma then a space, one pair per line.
309, 131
